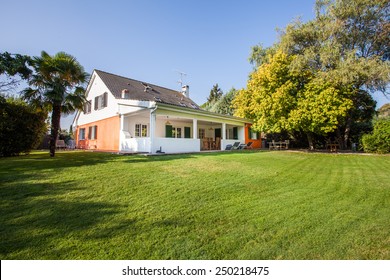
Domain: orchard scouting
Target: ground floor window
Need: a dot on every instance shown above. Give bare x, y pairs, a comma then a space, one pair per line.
92, 132
141, 130
252, 134
176, 132
82, 134
232, 133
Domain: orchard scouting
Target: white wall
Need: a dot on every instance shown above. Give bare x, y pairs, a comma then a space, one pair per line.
130, 122
139, 145
98, 88
176, 145
114, 106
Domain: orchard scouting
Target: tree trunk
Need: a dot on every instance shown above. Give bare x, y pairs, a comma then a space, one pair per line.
55, 126
310, 139
346, 133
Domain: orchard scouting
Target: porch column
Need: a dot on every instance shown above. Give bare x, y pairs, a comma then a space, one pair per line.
194, 129
152, 130
121, 120
223, 136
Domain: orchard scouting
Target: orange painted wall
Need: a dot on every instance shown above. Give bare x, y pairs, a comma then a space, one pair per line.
107, 135
256, 142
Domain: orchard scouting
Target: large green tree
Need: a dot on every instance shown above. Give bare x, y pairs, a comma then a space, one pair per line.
280, 99
13, 68
338, 58
57, 85
346, 45
224, 104
214, 96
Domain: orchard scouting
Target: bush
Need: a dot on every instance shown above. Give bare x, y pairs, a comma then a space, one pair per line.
21, 127
379, 140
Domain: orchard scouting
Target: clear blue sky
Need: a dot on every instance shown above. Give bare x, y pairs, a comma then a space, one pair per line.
150, 40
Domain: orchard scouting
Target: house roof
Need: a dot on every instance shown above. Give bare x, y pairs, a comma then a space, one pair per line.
137, 90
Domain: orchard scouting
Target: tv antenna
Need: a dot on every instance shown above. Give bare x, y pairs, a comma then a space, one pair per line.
182, 74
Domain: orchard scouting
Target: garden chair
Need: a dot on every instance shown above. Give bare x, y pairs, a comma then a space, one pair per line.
236, 146
60, 144
246, 146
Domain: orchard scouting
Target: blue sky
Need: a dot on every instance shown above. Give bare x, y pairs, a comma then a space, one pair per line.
151, 40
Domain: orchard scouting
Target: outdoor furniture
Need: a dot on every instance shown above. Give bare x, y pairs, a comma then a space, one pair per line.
249, 145
236, 145
278, 145
246, 146
228, 147
332, 147
209, 143
218, 143
60, 144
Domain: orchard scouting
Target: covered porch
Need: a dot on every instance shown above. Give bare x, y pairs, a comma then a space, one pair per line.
169, 131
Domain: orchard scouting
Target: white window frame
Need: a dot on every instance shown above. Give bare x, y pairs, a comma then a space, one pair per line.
141, 130
177, 132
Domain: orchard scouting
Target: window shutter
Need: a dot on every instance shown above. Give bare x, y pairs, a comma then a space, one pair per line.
104, 100
95, 132
187, 132
96, 102
90, 132
235, 133
249, 133
168, 131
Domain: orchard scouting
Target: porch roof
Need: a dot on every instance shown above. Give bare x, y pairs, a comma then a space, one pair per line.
201, 113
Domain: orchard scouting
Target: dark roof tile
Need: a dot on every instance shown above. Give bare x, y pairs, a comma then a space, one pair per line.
138, 90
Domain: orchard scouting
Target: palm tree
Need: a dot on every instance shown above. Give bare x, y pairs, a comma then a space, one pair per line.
56, 86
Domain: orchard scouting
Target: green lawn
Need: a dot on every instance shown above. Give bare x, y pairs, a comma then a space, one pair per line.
236, 205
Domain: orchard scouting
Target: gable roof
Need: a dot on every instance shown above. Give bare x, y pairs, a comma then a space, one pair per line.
142, 91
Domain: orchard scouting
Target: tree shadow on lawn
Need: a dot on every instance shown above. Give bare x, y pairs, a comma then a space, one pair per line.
134, 158
36, 166
34, 219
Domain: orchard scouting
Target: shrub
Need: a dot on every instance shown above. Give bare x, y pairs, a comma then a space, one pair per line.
379, 140
21, 127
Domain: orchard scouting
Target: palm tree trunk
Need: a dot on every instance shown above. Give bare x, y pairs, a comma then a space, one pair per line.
55, 126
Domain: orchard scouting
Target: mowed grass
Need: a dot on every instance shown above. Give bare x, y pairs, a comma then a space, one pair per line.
236, 205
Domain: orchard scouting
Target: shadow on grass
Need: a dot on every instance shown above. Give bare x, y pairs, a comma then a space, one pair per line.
35, 166
171, 157
34, 217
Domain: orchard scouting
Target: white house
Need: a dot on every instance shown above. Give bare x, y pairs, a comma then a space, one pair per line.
127, 115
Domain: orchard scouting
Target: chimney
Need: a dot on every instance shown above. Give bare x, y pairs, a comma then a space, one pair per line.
185, 90
125, 93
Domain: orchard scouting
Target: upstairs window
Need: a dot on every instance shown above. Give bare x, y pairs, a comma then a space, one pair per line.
100, 101
88, 107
